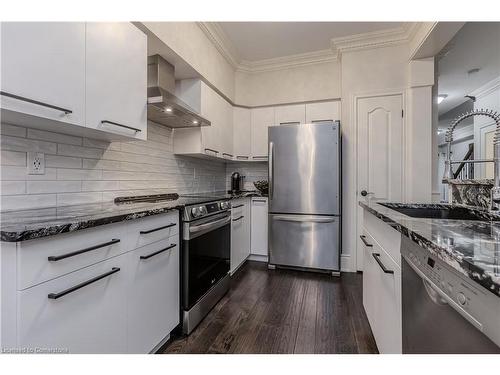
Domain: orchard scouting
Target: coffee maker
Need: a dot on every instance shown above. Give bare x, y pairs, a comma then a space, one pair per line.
236, 182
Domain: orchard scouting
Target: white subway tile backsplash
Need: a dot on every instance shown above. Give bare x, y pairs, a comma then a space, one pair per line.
79, 174
13, 187
24, 144
82, 170
62, 161
15, 131
84, 152
21, 173
40, 187
54, 137
24, 202
13, 158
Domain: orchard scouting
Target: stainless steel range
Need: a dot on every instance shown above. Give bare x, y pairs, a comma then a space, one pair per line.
205, 257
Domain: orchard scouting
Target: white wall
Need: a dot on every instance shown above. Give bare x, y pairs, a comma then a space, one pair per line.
81, 170
318, 81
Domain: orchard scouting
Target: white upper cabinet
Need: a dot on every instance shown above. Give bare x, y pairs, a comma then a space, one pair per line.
290, 114
241, 133
43, 63
322, 111
116, 79
262, 118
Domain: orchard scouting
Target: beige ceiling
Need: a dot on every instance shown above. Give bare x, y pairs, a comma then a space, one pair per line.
255, 41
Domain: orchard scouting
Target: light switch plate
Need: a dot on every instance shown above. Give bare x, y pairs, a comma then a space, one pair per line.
36, 163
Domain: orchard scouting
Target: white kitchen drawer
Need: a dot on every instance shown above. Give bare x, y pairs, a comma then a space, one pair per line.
90, 319
34, 266
388, 237
153, 303
153, 228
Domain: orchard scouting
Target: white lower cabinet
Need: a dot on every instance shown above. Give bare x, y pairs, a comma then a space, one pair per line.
90, 319
240, 232
382, 295
259, 217
153, 296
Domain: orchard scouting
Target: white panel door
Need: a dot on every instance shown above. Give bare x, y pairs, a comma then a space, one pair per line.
153, 303
290, 114
44, 62
380, 154
262, 118
116, 78
89, 319
323, 111
241, 133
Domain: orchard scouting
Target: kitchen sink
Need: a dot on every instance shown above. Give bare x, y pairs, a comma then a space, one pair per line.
436, 211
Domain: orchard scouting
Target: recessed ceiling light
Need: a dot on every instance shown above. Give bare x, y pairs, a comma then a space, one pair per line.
441, 98
168, 109
195, 122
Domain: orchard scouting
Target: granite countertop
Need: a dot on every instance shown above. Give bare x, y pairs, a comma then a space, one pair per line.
470, 247
22, 225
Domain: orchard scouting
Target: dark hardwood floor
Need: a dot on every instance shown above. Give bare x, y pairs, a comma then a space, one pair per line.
284, 311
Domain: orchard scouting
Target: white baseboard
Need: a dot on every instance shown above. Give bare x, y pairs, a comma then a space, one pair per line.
258, 258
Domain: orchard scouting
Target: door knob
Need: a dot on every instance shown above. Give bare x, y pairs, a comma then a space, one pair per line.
364, 193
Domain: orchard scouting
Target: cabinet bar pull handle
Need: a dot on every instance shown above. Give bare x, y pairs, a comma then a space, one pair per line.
238, 218
157, 229
157, 252
85, 283
211, 149
260, 157
240, 205
120, 125
32, 101
242, 157
290, 123
259, 200
55, 258
363, 238
226, 154
377, 258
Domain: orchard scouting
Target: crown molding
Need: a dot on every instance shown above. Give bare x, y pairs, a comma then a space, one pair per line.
376, 39
486, 89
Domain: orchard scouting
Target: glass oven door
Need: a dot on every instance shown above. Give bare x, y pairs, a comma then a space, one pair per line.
205, 256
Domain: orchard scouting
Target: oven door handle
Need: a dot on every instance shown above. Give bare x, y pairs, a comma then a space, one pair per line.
210, 225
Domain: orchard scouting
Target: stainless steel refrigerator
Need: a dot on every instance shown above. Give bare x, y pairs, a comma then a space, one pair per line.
305, 196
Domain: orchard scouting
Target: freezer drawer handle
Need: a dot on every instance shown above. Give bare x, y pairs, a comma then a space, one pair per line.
377, 258
363, 238
55, 258
238, 218
157, 252
85, 283
304, 220
157, 229
120, 125
32, 101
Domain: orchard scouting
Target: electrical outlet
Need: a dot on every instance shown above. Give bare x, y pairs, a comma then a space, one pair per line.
36, 163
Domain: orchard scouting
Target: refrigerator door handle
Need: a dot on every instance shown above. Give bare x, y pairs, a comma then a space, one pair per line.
305, 219
271, 169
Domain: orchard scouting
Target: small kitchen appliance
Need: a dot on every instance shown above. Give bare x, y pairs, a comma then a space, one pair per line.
236, 182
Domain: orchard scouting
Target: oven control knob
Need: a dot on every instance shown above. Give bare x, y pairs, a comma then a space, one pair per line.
197, 211
461, 298
224, 205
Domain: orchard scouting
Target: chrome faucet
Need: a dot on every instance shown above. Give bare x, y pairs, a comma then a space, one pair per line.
448, 172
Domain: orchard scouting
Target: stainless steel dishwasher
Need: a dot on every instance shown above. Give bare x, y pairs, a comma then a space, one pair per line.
444, 311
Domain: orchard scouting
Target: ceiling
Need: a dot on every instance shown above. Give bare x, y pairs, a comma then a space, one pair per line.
474, 46
254, 41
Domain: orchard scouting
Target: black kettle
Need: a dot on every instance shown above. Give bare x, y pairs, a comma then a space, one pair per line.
236, 182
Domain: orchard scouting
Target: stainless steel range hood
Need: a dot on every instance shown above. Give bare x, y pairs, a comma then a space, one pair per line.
164, 107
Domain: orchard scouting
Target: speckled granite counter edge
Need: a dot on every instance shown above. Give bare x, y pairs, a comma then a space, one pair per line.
472, 271
30, 234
